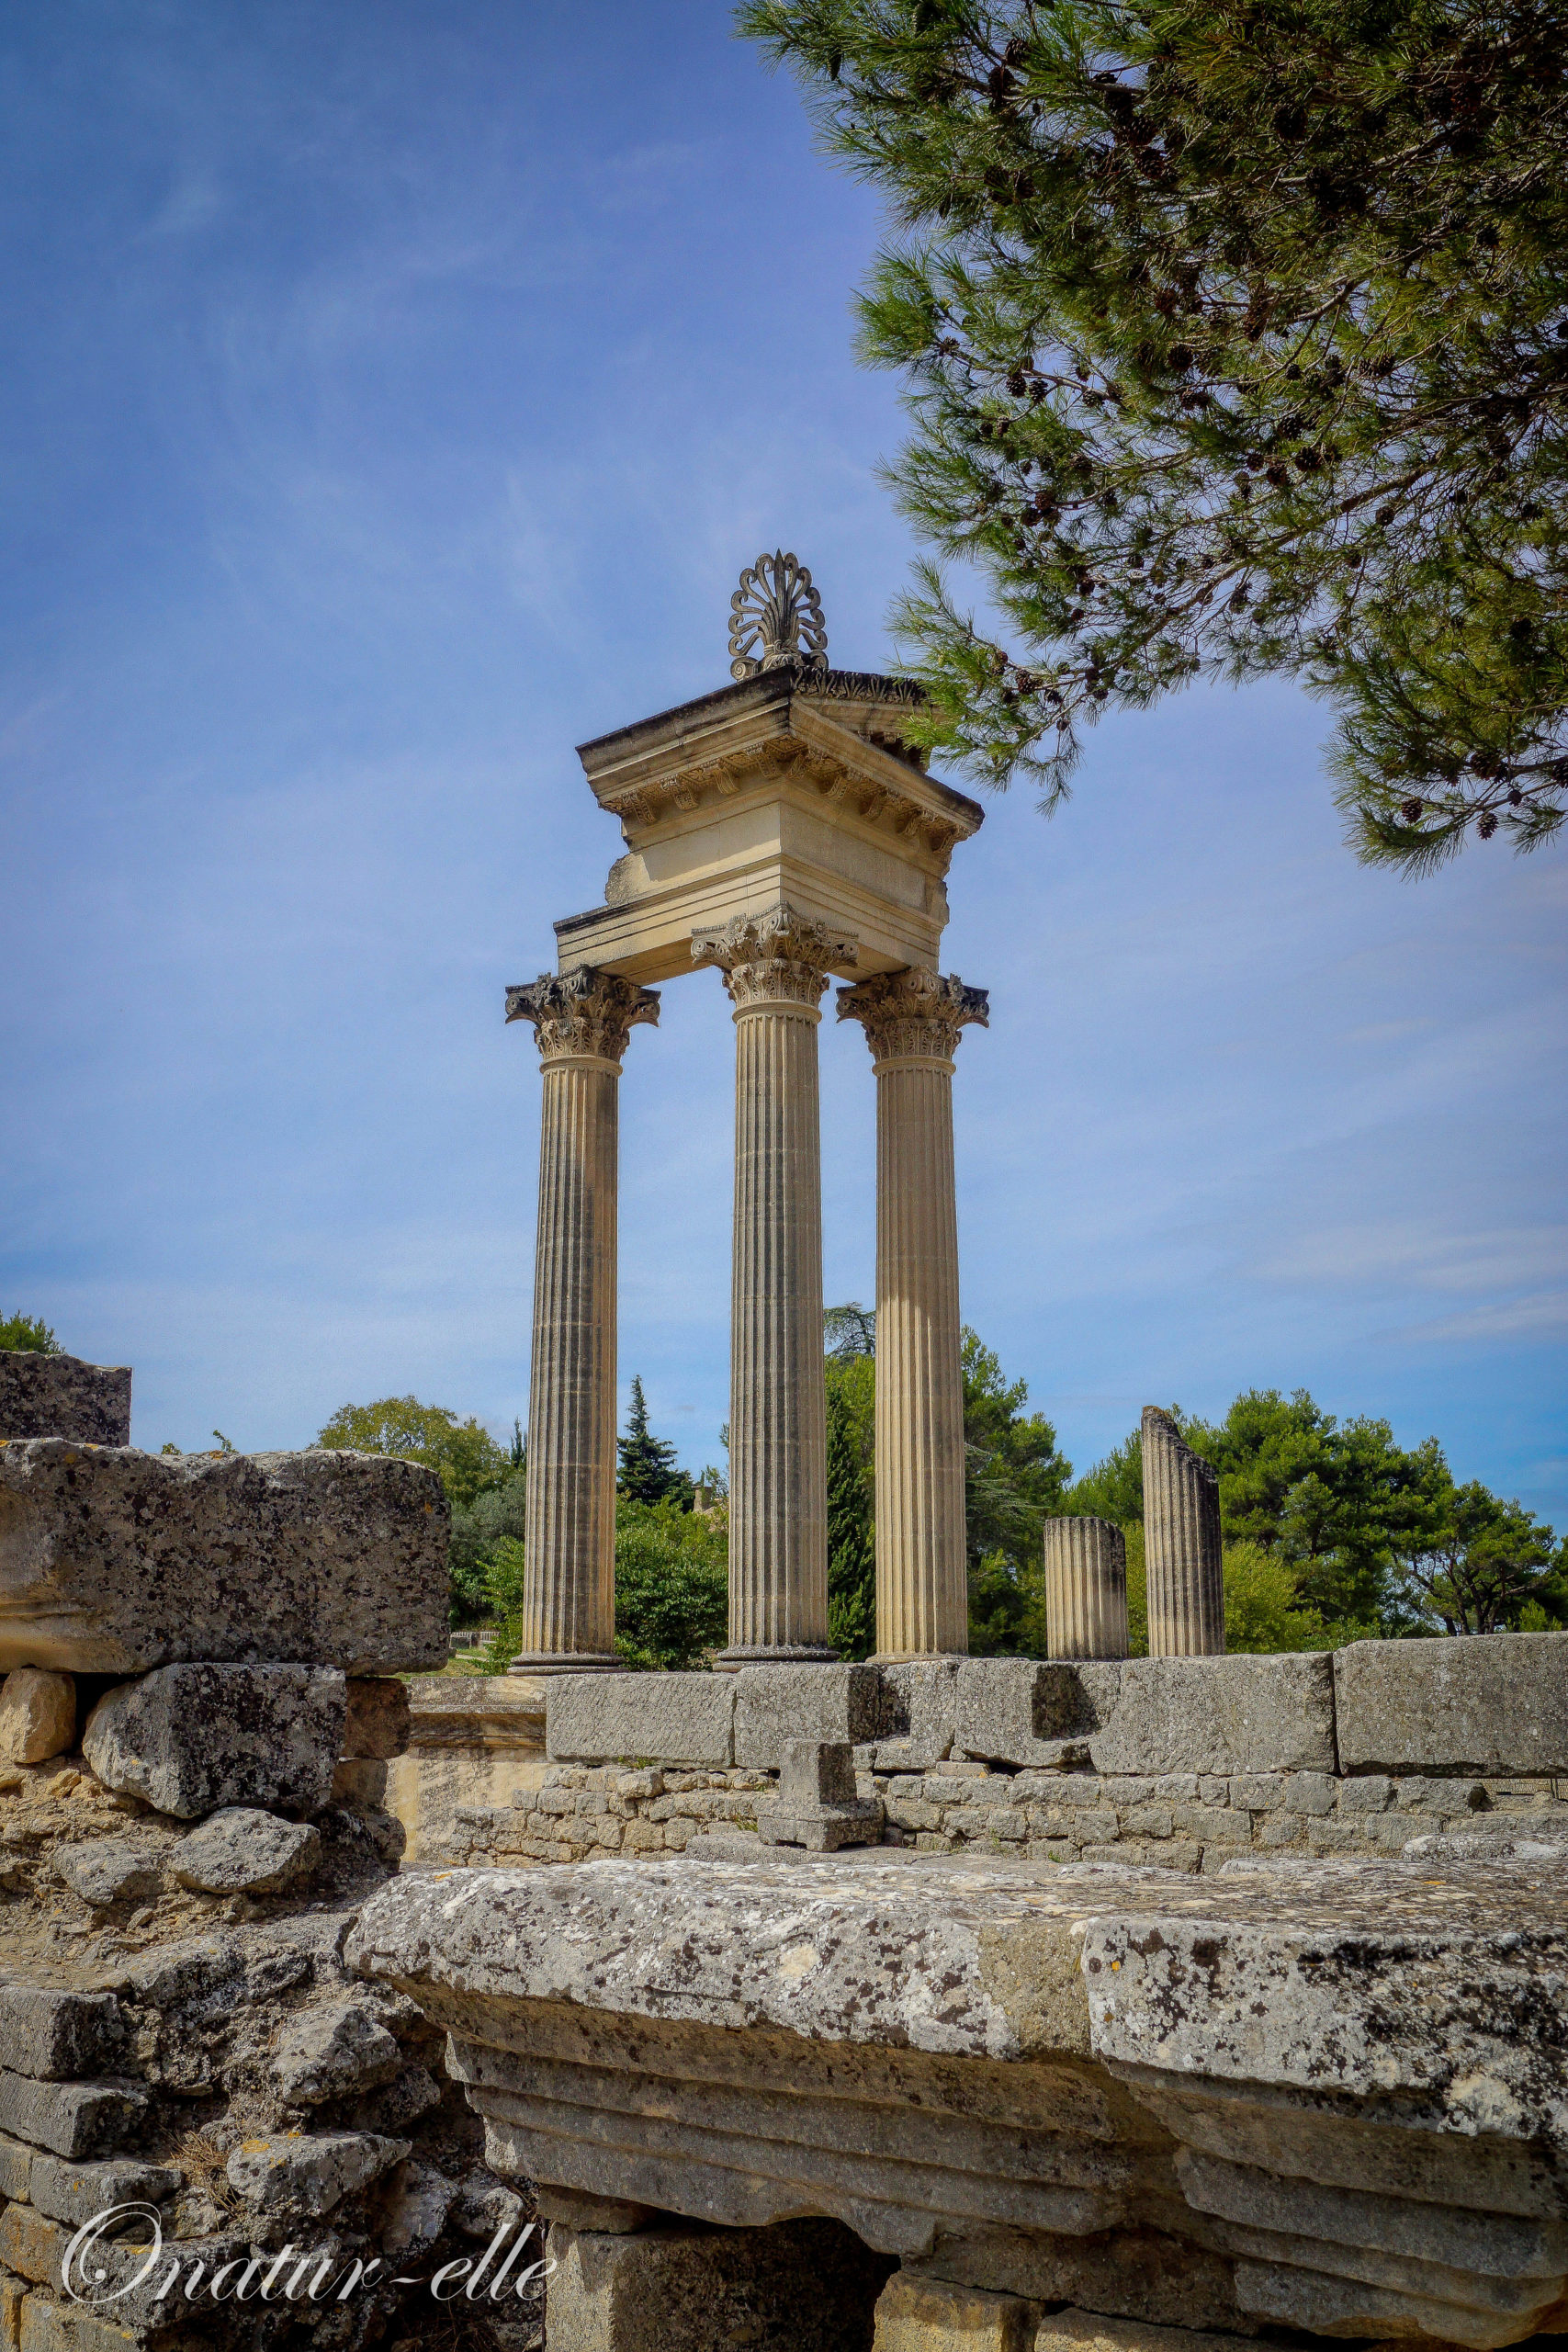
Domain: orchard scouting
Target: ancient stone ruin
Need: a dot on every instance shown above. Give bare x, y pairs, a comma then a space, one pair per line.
1097, 2004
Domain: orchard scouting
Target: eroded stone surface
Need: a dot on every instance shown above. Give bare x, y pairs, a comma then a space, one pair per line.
241, 1851
643, 1718
379, 1720
64, 1396
803, 2287
113, 1561
192, 1738
290, 2173
38, 1715
1495, 1703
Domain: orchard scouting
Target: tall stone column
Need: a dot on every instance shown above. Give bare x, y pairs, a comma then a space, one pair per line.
582, 1020
1182, 1535
775, 968
1086, 1588
912, 1020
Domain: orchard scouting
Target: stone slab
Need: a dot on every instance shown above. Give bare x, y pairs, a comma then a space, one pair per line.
38, 1715
192, 1738
1020, 1711
932, 2315
71, 2120
64, 1396
1222, 1715
1492, 1702
919, 1699
241, 1850
642, 1718
774, 1705
478, 1710
54, 2035
113, 1561
799, 2287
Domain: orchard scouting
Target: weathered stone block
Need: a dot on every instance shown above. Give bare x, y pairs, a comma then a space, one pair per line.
239, 1851
775, 1704
38, 1715
1091, 2332
71, 2120
918, 1698
16, 2162
110, 1870
379, 1720
1494, 1702
328, 2053
64, 1396
75, 2193
114, 1561
287, 2172
1017, 1711
1221, 1715
931, 2316
797, 2287
190, 1738
653, 1718
55, 2035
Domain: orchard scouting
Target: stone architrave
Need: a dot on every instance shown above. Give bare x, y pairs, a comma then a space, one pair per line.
1086, 1588
912, 1021
1181, 1526
775, 966
581, 1021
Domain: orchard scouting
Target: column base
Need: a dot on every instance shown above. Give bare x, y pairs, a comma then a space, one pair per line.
566, 1662
731, 1661
917, 1657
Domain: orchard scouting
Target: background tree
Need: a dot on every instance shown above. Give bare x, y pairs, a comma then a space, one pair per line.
1235, 338
648, 1471
28, 1334
1014, 1480
1477, 1567
851, 1377
672, 1585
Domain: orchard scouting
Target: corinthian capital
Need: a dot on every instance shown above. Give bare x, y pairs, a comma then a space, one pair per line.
777, 954
584, 1011
913, 1012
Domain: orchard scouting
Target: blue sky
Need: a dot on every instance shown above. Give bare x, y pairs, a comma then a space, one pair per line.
391, 395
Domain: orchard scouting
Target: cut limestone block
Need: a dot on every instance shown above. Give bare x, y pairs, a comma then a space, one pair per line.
818, 1805
643, 1718
190, 1738
38, 1715
1090, 2332
71, 2120
919, 1696
775, 1704
1493, 1702
63, 1397
113, 1561
1222, 1714
931, 2316
55, 2035
284, 2172
799, 2287
75, 2193
1016, 1711
241, 1851
378, 1719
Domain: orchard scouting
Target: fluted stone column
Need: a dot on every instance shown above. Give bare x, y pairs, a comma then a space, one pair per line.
1086, 1588
775, 968
582, 1020
1181, 1537
912, 1021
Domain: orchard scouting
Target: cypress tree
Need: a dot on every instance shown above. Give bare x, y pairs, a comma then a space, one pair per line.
647, 1471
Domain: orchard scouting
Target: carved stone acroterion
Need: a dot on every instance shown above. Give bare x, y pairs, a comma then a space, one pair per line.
775, 618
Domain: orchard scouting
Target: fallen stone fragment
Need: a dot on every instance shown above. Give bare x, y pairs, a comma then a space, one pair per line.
113, 1561
56, 2035
38, 1715
109, 1870
379, 1718
485, 2205
287, 2173
239, 1851
74, 2119
191, 1738
418, 2200
328, 2053
64, 1396
75, 2193
411, 2092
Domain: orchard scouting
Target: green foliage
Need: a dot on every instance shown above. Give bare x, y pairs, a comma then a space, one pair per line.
852, 1541
500, 1590
1260, 1604
671, 1584
647, 1471
1235, 343
1477, 1567
464, 1455
1113, 1489
28, 1335
479, 1529
1014, 1480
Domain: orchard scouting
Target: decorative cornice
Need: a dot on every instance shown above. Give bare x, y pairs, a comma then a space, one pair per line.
913, 1014
777, 956
582, 1012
